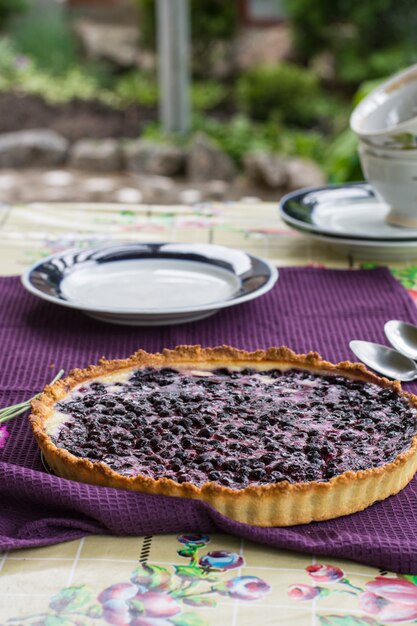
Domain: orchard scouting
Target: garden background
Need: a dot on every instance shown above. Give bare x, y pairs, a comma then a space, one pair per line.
273, 85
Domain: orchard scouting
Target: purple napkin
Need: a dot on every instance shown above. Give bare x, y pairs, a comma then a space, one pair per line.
309, 309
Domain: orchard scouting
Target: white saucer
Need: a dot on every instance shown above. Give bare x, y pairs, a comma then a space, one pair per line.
351, 219
150, 284
350, 210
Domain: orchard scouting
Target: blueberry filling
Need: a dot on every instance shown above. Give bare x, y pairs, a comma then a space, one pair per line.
235, 427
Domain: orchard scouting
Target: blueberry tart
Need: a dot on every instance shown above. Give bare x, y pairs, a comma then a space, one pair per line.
270, 438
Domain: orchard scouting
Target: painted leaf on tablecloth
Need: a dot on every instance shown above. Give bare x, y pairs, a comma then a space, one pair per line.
95, 611
186, 553
409, 577
190, 571
71, 599
189, 619
151, 577
346, 620
200, 601
56, 620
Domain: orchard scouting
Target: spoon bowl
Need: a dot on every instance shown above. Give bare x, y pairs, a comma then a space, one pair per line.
403, 337
384, 360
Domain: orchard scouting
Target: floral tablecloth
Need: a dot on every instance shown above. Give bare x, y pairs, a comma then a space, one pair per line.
185, 580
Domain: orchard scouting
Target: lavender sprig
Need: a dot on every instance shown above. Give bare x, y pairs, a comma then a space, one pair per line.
9, 412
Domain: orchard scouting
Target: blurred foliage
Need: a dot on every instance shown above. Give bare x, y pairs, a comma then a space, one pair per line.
210, 20
366, 39
208, 94
240, 135
92, 81
287, 90
10, 8
283, 108
47, 38
341, 161
137, 87
20, 73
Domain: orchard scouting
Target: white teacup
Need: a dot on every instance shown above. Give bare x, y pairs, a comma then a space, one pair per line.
407, 154
387, 117
395, 181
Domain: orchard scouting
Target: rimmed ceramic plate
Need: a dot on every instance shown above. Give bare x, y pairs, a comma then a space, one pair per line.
350, 211
150, 284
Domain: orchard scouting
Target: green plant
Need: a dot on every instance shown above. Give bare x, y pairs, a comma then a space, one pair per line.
287, 90
206, 95
46, 37
137, 87
10, 412
360, 35
240, 135
210, 20
341, 159
10, 8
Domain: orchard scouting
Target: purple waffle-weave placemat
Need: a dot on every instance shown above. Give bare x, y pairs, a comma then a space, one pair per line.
309, 309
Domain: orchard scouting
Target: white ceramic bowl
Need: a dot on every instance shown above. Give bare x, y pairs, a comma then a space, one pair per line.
395, 181
388, 115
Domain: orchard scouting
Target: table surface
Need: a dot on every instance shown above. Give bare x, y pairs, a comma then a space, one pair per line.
94, 580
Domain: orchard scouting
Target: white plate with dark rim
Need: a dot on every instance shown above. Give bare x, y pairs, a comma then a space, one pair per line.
351, 219
150, 284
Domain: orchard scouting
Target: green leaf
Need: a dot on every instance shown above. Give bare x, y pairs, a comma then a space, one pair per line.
186, 553
410, 578
56, 620
71, 599
95, 611
151, 577
137, 605
191, 571
199, 601
346, 620
189, 619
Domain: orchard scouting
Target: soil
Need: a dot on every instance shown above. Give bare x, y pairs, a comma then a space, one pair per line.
74, 120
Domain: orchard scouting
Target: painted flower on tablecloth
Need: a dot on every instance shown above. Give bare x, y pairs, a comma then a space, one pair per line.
383, 601
156, 595
244, 588
4, 434
325, 573
194, 540
156, 604
222, 560
390, 600
303, 592
122, 605
147, 577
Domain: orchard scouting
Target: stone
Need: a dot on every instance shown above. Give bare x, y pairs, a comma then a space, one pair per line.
117, 43
96, 155
58, 178
99, 185
128, 195
28, 148
205, 161
159, 189
217, 189
146, 157
190, 196
257, 45
265, 168
304, 173
8, 181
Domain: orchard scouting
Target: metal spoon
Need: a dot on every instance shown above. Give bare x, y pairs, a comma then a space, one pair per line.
403, 337
384, 360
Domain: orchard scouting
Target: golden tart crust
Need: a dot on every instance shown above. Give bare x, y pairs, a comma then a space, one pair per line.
277, 504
